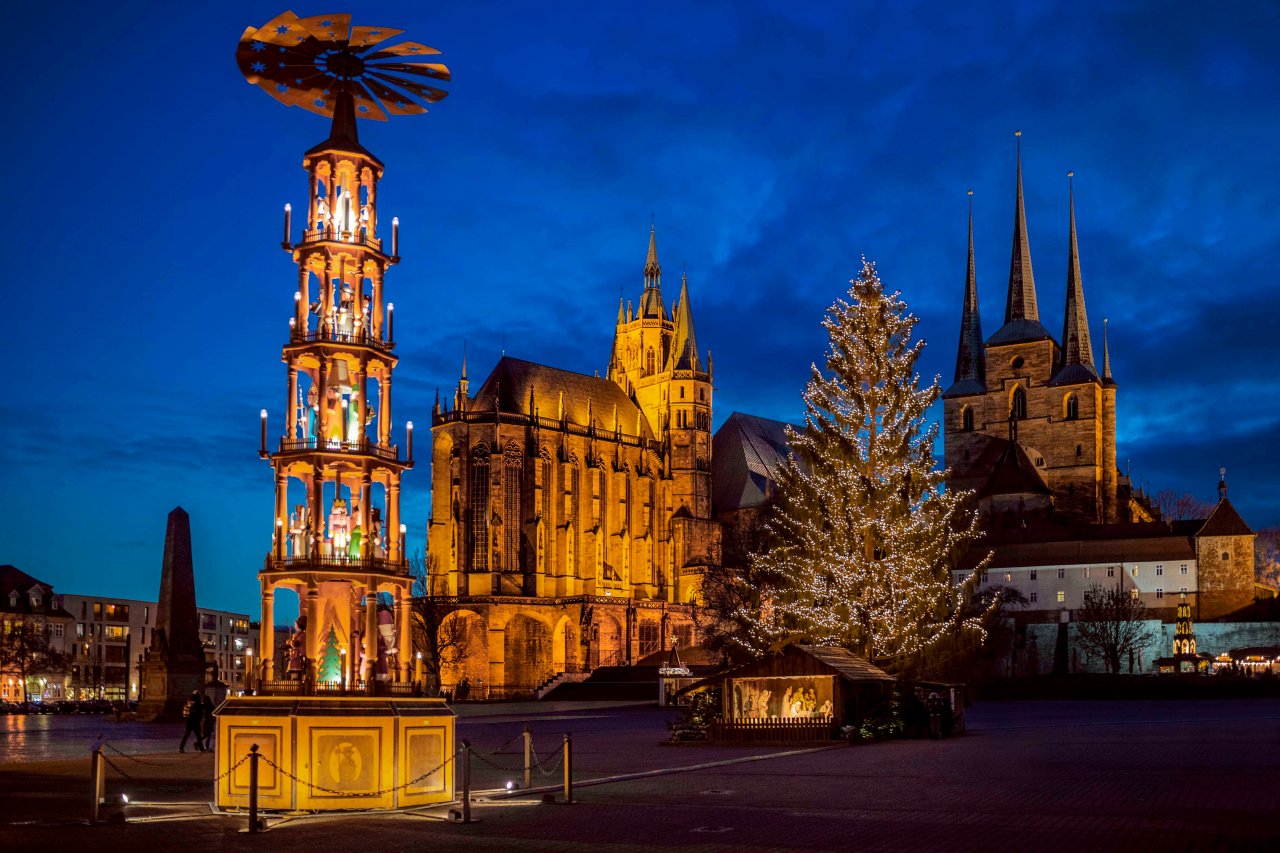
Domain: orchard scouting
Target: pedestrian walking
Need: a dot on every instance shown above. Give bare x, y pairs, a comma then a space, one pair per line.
192, 714
206, 721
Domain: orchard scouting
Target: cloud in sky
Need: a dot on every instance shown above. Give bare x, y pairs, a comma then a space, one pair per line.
774, 144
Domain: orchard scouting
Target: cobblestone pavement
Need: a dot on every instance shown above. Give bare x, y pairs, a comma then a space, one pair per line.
1070, 776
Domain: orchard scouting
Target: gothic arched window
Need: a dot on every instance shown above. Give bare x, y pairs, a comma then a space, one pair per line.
648, 363
966, 419
479, 508
513, 468
1018, 406
1072, 407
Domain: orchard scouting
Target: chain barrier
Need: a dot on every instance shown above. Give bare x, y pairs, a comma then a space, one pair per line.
538, 764
168, 789
359, 794
499, 750
494, 764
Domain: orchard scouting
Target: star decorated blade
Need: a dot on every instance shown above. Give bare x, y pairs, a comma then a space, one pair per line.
309, 62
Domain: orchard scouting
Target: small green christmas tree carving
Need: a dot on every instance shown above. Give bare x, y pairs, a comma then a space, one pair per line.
331, 658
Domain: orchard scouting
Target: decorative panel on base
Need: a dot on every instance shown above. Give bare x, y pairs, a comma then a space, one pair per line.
335, 753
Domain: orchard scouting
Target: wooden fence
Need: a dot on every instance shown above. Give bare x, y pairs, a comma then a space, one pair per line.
789, 730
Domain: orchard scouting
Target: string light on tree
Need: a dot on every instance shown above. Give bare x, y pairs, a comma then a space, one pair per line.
865, 538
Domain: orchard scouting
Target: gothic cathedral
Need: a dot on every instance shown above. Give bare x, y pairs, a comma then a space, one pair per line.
570, 514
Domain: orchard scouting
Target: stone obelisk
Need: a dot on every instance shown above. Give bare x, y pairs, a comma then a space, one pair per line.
174, 664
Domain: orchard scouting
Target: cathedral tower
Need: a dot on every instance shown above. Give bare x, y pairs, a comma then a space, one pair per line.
656, 362
338, 541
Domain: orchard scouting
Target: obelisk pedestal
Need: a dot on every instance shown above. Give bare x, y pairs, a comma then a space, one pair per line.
174, 663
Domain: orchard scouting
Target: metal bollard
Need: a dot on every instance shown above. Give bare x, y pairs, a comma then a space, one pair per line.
97, 782
568, 769
466, 781
528, 758
253, 789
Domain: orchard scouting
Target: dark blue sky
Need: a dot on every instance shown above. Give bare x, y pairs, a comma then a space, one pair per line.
775, 143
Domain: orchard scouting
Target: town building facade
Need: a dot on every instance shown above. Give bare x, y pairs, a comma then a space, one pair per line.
109, 635
24, 600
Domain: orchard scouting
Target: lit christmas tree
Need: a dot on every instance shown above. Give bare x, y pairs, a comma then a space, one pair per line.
330, 658
865, 539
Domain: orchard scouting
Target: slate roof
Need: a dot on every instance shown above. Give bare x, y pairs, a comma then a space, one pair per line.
1014, 474
846, 663
12, 578
971, 366
747, 456
1019, 330
1224, 521
1074, 552
508, 387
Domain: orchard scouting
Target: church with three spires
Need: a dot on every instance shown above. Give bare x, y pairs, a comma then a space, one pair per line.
1030, 421
1030, 429
571, 514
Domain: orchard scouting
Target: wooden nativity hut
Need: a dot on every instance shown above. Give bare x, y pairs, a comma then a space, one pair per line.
799, 693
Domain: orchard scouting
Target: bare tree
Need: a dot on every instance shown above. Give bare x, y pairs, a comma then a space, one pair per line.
1111, 623
1180, 507
26, 652
733, 585
1266, 556
441, 641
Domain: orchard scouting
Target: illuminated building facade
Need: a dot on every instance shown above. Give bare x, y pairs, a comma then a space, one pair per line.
571, 514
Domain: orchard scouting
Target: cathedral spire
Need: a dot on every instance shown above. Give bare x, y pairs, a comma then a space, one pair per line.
1021, 312
1021, 304
971, 366
1075, 363
684, 346
1106, 356
651, 304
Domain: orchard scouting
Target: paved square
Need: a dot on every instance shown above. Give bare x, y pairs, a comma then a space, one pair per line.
1042, 776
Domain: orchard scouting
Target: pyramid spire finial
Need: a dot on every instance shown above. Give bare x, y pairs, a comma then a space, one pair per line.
1077, 349
1106, 354
1021, 304
651, 304
684, 345
971, 368
652, 269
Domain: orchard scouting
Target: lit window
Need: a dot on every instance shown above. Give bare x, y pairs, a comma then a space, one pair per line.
1135, 571
1008, 577
1086, 571
1062, 596
1062, 573
1134, 593
1034, 597
1034, 573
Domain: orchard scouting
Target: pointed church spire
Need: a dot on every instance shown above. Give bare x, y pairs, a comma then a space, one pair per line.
652, 269
1075, 364
1106, 356
651, 304
1021, 304
622, 317
1021, 312
971, 365
684, 346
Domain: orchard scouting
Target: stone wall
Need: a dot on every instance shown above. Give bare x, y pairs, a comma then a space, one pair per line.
1036, 657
